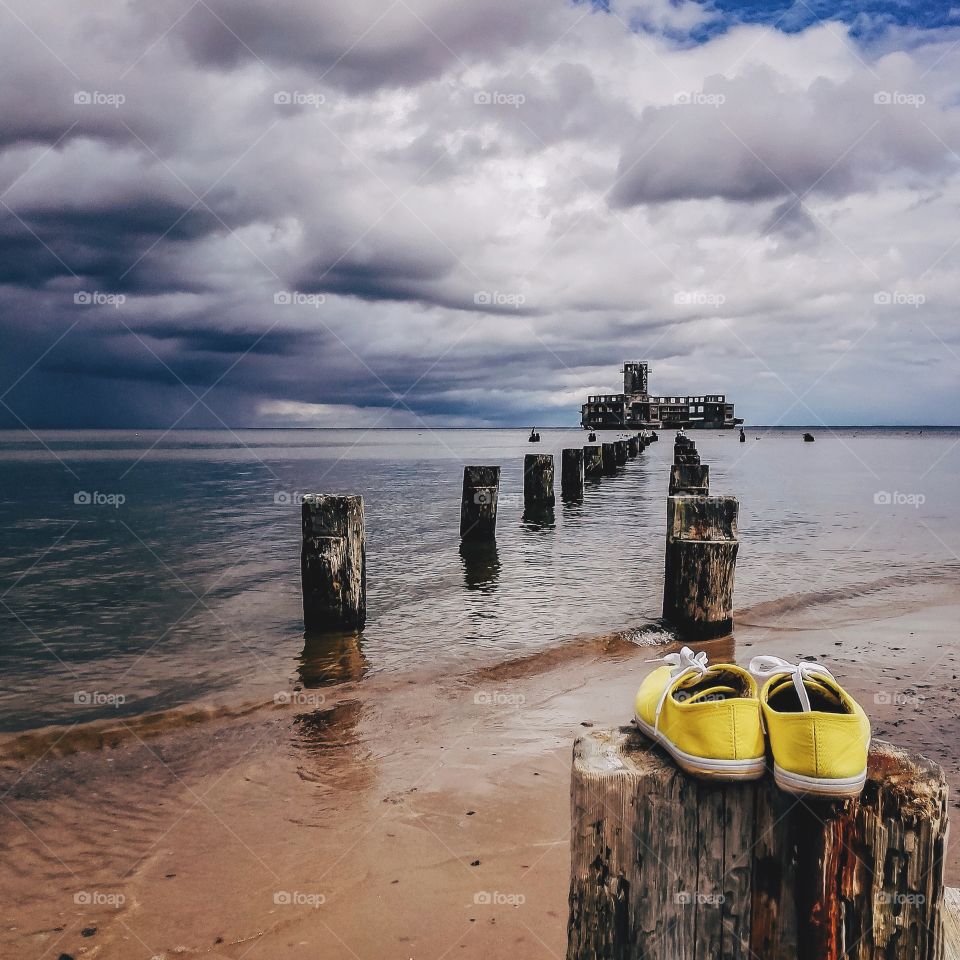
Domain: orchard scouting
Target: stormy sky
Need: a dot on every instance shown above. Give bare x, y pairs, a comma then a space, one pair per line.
424, 212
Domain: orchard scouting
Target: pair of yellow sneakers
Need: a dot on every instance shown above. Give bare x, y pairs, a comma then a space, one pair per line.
714, 721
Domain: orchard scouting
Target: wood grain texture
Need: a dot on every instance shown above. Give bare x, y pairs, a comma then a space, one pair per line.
333, 563
609, 451
699, 564
592, 462
667, 867
571, 472
478, 503
538, 479
691, 479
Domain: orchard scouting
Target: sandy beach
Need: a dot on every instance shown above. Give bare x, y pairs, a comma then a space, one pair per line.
417, 815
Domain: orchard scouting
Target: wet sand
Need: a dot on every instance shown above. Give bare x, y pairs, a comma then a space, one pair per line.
413, 815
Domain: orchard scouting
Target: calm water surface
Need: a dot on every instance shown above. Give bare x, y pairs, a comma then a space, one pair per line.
179, 581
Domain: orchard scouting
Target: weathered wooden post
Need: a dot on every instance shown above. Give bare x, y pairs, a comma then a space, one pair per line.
692, 479
571, 473
633, 447
478, 503
333, 563
538, 480
701, 555
690, 457
609, 457
592, 462
668, 867
620, 447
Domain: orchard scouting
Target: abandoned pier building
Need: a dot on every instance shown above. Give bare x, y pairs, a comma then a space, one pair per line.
635, 408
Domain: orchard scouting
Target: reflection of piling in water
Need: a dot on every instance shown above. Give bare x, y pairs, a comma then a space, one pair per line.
538, 517
481, 564
333, 564
701, 555
571, 473
660, 861
538, 480
592, 462
478, 503
329, 658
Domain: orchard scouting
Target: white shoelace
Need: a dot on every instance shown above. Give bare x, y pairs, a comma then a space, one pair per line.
766, 666
682, 663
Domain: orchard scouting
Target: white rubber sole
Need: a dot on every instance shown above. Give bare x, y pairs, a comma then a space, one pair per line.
798, 784
706, 767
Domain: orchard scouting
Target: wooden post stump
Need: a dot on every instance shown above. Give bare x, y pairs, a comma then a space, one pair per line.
333, 563
701, 555
478, 503
571, 473
592, 462
692, 479
538, 480
667, 867
620, 447
681, 458
633, 447
609, 457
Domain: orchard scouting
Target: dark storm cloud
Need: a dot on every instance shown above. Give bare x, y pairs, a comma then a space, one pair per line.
102, 245
379, 273
462, 210
362, 45
266, 343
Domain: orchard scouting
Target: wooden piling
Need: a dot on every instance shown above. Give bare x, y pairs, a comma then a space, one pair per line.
609, 451
571, 473
692, 479
668, 867
538, 480
333, 563
620, 446
701, 554
592, 462
681, 458
478, 503
633, 447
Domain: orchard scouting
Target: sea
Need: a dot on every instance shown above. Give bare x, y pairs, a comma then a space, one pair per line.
145, 571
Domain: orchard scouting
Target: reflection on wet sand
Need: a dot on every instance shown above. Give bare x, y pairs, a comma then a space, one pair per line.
332, 756
329, 658
481, 565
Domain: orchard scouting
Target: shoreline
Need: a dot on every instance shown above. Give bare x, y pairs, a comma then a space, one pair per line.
343, 827
343, 670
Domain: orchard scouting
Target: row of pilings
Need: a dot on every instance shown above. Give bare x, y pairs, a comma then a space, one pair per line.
701, 536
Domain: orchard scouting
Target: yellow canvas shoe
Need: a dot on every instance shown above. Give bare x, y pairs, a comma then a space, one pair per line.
819, 735
706, 718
